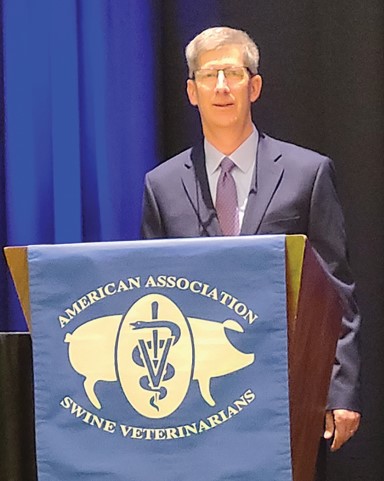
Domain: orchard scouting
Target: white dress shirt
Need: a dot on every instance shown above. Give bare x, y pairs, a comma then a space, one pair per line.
244, 159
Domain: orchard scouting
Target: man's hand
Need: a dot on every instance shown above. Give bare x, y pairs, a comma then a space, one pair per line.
342, 425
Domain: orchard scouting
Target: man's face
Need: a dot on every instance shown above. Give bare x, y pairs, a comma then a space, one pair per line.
224, 103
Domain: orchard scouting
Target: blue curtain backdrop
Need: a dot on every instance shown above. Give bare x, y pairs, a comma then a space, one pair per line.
79, 81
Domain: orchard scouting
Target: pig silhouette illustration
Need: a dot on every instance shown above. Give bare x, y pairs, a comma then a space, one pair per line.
92, 352
214, 354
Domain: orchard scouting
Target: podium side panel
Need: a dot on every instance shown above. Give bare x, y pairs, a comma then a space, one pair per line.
18, 265
312, 352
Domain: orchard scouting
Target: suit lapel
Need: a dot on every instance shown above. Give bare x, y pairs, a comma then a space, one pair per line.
266, 178
195, 182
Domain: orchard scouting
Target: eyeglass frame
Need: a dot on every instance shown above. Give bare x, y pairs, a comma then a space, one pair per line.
251, 74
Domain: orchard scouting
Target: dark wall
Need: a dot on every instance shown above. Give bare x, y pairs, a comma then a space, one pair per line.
322, 65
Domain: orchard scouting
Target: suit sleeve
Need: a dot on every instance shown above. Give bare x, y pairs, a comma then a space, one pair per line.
327, 235
151, 224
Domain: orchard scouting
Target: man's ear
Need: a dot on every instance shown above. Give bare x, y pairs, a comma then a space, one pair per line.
256, 85
191, 91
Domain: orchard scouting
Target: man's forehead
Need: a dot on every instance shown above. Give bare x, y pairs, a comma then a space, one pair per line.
222, 56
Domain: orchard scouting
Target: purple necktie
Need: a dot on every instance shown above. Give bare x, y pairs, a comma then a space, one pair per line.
226, 199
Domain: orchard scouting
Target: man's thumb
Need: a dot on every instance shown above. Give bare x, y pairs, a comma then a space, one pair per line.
329, 425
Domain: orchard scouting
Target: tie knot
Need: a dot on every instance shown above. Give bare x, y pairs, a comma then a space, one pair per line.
227, 165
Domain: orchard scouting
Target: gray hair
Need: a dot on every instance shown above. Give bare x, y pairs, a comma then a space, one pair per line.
216, 37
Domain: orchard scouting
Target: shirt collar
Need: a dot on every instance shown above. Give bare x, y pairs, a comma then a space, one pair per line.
243, 157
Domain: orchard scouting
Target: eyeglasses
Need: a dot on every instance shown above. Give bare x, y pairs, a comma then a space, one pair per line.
233, 75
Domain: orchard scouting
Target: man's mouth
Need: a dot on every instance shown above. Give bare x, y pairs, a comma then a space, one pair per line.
223, 105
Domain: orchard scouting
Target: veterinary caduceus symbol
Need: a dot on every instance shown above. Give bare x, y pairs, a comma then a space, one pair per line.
153, 353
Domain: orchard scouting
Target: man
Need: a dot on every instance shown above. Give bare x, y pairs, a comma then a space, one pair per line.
239, 181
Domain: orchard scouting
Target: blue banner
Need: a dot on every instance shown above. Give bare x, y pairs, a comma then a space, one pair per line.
161, 360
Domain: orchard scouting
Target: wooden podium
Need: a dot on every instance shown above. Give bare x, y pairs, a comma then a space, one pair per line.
314, 320
314, 313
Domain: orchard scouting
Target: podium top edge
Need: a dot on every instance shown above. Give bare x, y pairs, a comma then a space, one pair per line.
124, 243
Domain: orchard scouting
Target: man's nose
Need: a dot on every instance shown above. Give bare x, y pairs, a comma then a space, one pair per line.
221, 82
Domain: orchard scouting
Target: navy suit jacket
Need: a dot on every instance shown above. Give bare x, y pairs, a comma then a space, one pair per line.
292, 192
